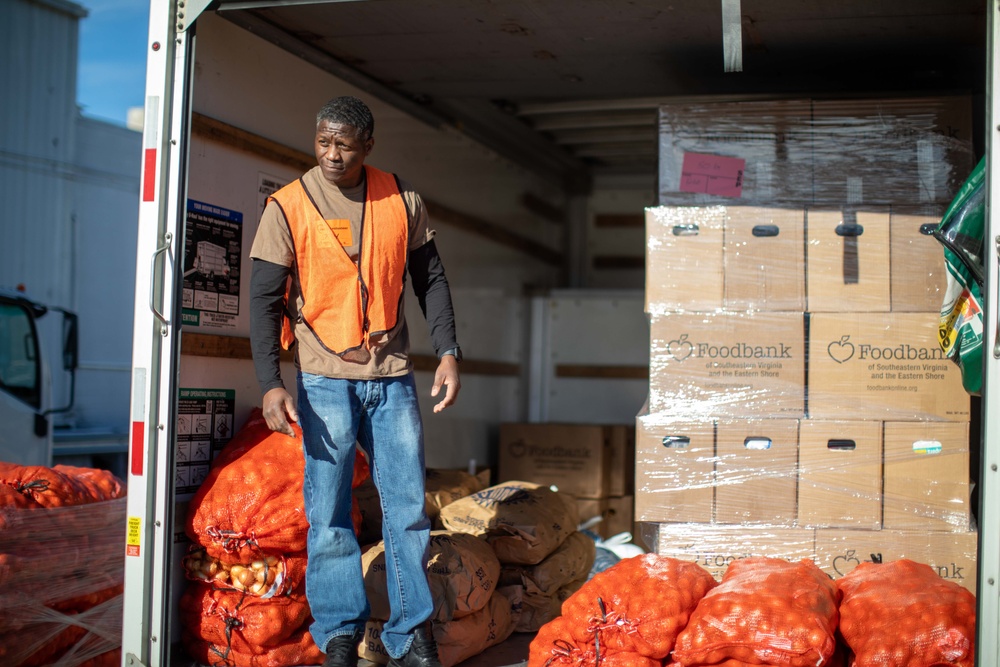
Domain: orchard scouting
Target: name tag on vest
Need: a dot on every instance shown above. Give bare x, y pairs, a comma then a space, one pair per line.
342, 230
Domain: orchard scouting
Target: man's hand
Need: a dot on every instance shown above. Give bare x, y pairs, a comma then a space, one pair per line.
279, 409
446, 375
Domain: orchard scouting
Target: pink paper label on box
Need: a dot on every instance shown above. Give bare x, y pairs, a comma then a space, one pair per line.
713, 174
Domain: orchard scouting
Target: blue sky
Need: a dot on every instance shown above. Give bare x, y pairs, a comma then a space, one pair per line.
112, 60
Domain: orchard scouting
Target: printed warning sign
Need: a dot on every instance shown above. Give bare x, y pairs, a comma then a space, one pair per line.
204, 426
133, 537
213, 241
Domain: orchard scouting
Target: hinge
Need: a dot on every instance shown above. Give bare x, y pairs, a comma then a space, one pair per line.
189, 10
132, 661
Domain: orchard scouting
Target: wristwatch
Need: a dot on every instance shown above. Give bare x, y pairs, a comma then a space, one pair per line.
455, 352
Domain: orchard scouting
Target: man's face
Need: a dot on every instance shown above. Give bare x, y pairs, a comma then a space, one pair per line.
341, 153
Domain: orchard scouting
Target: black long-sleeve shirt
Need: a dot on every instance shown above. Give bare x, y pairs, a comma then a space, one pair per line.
267, 291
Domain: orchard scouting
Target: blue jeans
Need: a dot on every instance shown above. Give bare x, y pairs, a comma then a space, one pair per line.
383, 417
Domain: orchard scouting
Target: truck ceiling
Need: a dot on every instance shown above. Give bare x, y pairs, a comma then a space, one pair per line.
570, 88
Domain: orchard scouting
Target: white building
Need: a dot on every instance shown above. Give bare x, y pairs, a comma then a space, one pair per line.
70, 187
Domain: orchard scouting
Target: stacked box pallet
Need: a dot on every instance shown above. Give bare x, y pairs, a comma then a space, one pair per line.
800, 405
594, 463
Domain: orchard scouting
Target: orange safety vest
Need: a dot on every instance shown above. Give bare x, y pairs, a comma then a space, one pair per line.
344, 304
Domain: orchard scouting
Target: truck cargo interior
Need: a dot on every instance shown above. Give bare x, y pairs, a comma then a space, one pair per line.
569, 90
542, 136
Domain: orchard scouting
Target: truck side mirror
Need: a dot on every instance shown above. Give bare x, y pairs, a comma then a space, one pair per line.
71, 341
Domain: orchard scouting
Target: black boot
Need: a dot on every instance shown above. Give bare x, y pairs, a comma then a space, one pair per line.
423, 650
342, 650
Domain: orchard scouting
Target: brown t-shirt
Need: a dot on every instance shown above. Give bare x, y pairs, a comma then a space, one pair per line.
273, 243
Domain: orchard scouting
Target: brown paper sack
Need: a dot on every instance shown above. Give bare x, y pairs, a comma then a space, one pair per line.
371, 647
457, 640
571, 560
538, 609
522, 521
444, 486
462, 573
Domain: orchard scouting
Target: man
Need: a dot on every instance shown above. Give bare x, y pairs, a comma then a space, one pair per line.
347, 234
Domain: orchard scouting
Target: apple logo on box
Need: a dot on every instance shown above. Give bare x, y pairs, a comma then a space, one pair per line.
841, 350
681, 348
517, 449
846, 562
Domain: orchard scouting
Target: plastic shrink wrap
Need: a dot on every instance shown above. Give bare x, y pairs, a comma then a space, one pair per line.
62, 562
800, 405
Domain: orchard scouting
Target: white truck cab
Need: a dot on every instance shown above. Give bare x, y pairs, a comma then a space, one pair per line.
27, 362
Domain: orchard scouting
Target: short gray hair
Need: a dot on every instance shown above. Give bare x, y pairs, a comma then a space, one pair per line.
347, 110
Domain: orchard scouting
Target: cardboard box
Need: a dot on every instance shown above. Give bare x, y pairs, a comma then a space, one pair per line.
684, 250
847, 260
621, 469
590, 510
916, 264
913, 150
769, 143
725, 364
574, 458
927, 476
952, 555
714, 547
621, 515
884, 366
756, 471
840, 474
615, 513
831, 152
674, 470
765, 259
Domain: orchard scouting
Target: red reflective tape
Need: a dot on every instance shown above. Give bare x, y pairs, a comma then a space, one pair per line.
138, 447
149, 175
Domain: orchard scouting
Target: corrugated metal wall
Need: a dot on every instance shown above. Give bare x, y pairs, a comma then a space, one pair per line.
105, 194
70, 187
38, 57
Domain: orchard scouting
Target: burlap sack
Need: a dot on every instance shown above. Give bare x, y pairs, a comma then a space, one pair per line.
570, 561
462, 573
444, 486
522, 521
457, 640
465, 637
371, 648
537, 609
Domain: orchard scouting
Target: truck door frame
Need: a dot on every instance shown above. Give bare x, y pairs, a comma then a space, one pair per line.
988, 593
146, 631
156, 338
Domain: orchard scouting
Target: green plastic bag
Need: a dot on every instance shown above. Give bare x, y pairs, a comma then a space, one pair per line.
960, 231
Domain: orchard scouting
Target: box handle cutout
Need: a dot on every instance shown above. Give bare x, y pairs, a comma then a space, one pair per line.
757, 443
928, 228
765, 230
676, 441
689, 229
927, 447
849, 229
841, 444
